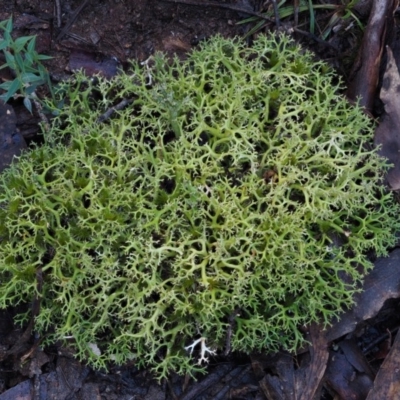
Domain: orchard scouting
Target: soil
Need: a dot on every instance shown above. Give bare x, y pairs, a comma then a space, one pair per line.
103, 37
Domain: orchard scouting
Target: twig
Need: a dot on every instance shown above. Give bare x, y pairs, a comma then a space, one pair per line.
196, 391
229, 331
219, 5
71, 20
36, 380
276, 13
388, 334
57, 7
296, 13
122, 104
313, 37
171, 390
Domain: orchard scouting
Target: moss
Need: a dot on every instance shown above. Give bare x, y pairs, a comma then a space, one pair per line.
239, 186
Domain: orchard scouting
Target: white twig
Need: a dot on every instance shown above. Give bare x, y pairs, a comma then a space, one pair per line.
204, 350
145, 63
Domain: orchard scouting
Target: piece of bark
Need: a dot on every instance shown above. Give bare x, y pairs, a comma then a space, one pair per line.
11, 141
280, 383
303, 383
345, 380
365, 74
22, 391
93, 63
349, 373
387, 134
387, 382
356, 357
381, 284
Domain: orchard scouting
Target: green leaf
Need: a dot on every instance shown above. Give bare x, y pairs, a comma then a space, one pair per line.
30, 89
19, 62
43, 72
28, 58
8, 38
8, 27
312, 16
31, 45
4, 44
15, 85
10, 60
5, 85
28, 104
28, 77
30, 68
3, 24
21, 42
43, 57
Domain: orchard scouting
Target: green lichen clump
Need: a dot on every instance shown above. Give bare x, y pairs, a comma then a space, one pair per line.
234, 199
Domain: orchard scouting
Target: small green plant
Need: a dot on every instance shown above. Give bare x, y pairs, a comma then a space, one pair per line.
231, 203
340, 13
343, 15
25, 63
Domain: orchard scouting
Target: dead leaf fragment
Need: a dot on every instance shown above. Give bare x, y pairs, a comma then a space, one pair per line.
381, 284
288, 381
387, 134
345, 380
11, 141
93, 63
365, 74
387, 382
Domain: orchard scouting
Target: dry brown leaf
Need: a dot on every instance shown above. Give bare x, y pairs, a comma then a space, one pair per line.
387, 382
365, 74
11, 141
387, 134
348, 372
302, 382
345, 380
381, 284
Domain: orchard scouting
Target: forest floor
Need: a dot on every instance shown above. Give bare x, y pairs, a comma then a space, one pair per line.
355, 358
